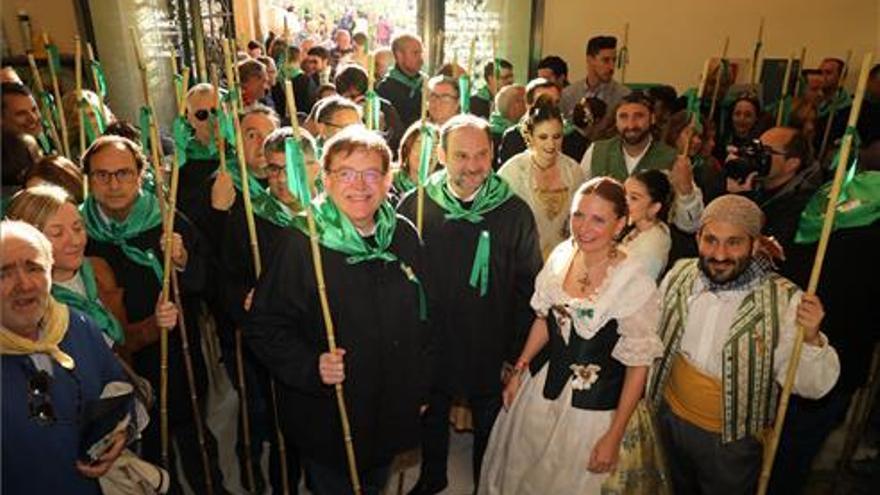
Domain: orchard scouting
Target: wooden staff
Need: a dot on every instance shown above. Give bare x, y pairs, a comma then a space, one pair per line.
255, 253
801, 65
830, 211
700, 90
624, 52
62, 121
325, 310
832, 108
783, 93
47, 110
420, 186
95, 79
717, 89
758, 44
371, 83
437, 51
471, 58
166, 274
198, 35
77, 64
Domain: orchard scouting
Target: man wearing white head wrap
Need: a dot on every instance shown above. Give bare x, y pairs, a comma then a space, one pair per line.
715, 388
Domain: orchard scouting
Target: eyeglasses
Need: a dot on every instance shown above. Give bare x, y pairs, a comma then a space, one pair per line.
349, 176
438, 96
202, 115
123, 176
274, 170
39, 402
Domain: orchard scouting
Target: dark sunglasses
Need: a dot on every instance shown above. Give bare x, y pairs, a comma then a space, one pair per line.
39, 402
202, 114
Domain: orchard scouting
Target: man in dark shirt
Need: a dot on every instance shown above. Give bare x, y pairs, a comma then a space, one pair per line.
403, 85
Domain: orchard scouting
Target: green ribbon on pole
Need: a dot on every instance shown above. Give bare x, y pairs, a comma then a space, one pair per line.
425, 153
181, 134
87, 124
54, 58
693, 109
372, 101
45, 145
145, 117
100, 78
49, 103
295, 167
464, 93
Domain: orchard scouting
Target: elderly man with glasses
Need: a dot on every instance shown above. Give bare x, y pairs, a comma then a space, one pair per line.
54, 361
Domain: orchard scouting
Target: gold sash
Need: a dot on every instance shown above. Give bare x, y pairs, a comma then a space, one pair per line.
693, 395
54, 323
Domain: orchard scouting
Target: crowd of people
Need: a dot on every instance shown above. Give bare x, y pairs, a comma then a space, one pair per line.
596, 272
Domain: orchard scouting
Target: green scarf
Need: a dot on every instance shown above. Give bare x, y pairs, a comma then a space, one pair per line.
483, 93
414, 83
862, 207
498, 123
100, 78
143, 216
89, 304
195, 150
492, 194
336, 232
402, 182
269, 208
254, 187
464, 92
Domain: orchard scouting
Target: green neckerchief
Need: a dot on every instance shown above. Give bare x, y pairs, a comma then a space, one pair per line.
493, 193
291, 72
402, 182
336, 232
414, 83
567, 127
464, 92
143, 216
841, 99
181, 134
195, 150
254, 187
89, 304
483, 93
498, 123
267, 207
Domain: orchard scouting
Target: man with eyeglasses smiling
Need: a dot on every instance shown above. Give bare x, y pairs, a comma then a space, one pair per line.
124, 227
443, 99
372, 266
274, 211
53, 361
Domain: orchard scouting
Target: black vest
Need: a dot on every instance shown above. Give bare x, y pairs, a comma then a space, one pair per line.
604, 393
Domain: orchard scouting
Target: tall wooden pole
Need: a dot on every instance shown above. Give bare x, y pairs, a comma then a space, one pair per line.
325, 309
62, 121
420, 185
830, 211
47, 110
168, 230
718, 80
757, 53
77, 64
801, 64
832, 107
783, 93
624, 53
255, 253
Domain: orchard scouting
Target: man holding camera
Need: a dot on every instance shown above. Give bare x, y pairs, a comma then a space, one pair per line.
778, 174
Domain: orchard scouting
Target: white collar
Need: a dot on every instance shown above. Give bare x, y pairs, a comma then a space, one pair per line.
467, 199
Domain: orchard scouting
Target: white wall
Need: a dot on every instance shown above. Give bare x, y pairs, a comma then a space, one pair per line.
670, 39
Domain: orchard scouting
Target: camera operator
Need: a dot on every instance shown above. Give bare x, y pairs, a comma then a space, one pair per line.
778, 173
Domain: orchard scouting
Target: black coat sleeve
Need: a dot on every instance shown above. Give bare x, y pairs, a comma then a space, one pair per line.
528, 264
275, 327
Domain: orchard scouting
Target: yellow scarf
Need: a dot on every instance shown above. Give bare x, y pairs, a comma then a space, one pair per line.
54, 328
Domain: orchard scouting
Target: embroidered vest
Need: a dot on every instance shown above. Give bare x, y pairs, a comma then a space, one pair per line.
748, 386
608, 158
605, 383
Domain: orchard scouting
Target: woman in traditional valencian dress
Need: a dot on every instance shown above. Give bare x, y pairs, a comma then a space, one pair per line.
592, 342
543, 176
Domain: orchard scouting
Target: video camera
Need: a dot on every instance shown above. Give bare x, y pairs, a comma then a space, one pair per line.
750, 157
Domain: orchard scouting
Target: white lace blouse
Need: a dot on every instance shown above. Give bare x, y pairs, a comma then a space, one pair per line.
628, 294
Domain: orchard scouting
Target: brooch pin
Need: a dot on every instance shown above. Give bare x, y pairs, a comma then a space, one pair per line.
583, 377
